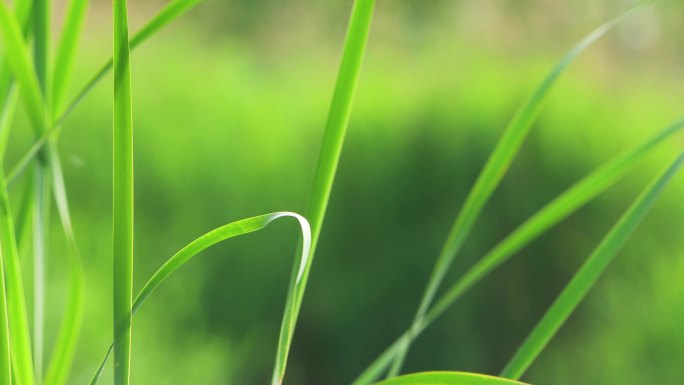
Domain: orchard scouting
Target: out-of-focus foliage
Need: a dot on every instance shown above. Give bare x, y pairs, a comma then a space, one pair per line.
440, 81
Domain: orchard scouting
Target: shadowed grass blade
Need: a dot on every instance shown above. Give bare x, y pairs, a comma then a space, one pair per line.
66, 51
5, 362
231, 230
588, 274
123, 197
67, 339
560, 208
494, 170
448, 378
328, 159
20, 63
16, 303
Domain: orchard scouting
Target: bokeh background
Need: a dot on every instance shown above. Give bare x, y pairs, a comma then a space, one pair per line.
229, 107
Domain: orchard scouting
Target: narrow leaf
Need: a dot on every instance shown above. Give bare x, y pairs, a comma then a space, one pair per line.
20, 63
555, 211
588, 274
328, 159
231, 230
448, 378
16, 303
494, 170
123, 197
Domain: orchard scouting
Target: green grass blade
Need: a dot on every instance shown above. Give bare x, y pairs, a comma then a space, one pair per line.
16, 303
5, 361
66, 51
170, 12
331, 149
41, 215
22, 68
6, 119
123, 197
67, 339
194, 248
560, 208
26, 159
448, 378
494, 170
588, 274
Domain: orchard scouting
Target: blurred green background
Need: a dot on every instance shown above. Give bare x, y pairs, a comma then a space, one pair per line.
229, 107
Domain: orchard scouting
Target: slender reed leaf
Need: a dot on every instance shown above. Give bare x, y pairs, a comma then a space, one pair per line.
5, 361
16, 303
6, 118
494, 170
67, 339
328, 159
231, 230
20, 63
588, 274
66, 51
448, 378
555, 211
123, 197
40, 229
26, 159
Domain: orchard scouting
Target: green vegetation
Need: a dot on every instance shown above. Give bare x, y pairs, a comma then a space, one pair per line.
37, 82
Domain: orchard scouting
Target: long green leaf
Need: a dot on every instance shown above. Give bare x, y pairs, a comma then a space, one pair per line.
6, 118
231, 230
123, 197
328, 159
448, 378
16, 302
588, 274
5, 361
20, 63
67, 339
66, 51
555, 211
494, 170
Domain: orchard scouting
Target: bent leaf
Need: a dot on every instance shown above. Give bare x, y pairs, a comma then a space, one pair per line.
231, 230
448, 378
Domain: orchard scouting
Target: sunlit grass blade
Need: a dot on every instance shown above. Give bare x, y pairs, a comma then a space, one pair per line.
555, 211
65, 346
41, 215
169, 13
328, 159
66, 51
448, 378
494, 170
21, 65
123, 197
231, 230
6, 119
588, 275
16, 303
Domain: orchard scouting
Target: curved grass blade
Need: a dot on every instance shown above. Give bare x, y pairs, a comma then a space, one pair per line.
5, 362
560, 208
66, 51
328, 159
588, 274
20, 63
67, 339
169, 13
123, 197
494, 170
16, 303
231, 230
448, 378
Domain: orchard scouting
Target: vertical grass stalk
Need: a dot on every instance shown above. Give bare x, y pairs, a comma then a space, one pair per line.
122, 197
329, 156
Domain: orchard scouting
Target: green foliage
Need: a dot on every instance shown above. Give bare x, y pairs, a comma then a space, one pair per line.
447, 378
